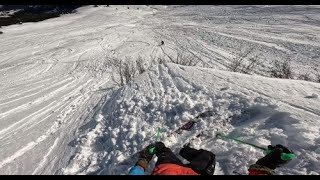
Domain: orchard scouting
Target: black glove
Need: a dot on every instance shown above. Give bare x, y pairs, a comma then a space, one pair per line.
201, 161
276, 156
146, 153
160, 148
145, 156
165, 155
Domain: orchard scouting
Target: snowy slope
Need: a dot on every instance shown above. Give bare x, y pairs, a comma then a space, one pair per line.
52, 74
256, 109
62, 112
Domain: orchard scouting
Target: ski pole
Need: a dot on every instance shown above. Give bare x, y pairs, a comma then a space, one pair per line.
235, 139
284, 156
151, 150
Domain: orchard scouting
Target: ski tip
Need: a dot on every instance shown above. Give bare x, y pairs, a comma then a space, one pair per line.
187, 145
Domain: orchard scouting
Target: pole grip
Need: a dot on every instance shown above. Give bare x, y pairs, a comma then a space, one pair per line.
152, 150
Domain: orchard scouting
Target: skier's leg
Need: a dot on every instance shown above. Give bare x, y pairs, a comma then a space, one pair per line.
188, 153
201, 161
166, 156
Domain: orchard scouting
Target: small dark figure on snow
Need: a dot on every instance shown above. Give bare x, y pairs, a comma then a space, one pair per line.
201, 162
162, 43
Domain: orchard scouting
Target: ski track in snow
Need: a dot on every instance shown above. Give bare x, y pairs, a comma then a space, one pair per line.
44, 160
61, 112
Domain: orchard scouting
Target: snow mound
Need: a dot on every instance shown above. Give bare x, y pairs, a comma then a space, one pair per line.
312, 96
252, 108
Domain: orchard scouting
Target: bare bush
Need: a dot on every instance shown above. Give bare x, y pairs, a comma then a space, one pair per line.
241, 65
140, 64
281, 69
317, 74
251, 65
119, 69
128, 69
305, 77
184, 58
237, 62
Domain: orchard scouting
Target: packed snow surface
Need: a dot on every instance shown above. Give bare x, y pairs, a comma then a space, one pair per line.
62, 111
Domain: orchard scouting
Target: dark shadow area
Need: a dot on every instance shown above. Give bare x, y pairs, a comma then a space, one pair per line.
35, 13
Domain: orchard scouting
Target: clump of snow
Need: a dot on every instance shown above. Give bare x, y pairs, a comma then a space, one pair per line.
312, 96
